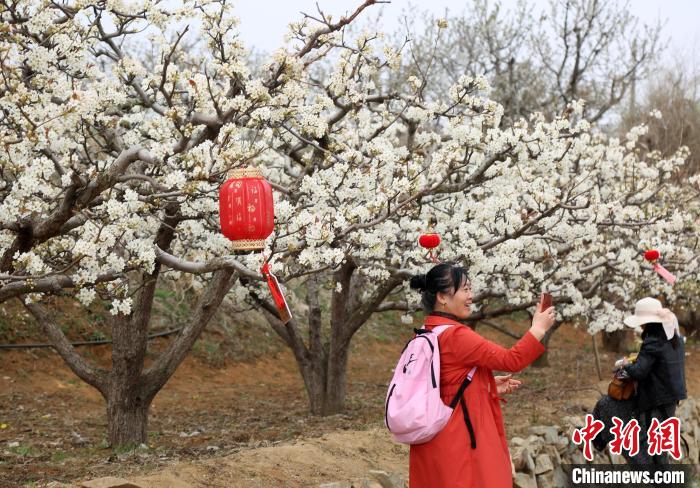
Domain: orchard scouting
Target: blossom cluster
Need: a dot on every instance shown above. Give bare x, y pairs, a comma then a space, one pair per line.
137, 146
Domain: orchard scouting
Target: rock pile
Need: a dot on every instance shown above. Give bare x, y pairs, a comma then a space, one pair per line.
538, 458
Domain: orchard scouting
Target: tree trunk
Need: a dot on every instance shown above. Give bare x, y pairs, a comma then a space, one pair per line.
127, 417
619, 341
313, 372
323, 365
127, 411
689, 320
314, 359
339, 343
336, 384
316, 394
326, 382
543, 360
127, 389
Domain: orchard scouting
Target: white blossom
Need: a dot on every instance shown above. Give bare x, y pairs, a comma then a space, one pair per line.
359, 173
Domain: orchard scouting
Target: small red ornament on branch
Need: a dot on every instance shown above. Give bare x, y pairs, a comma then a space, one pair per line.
430, 241
276, 292
652, 255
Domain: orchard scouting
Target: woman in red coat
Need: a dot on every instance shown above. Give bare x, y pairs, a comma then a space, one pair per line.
453, 459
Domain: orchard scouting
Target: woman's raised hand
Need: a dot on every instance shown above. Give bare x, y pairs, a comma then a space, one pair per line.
542, 321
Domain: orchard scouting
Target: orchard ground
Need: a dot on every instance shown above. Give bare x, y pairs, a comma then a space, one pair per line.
52, 426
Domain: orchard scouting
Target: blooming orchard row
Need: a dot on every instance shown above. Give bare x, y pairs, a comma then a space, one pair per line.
360, 172
119, 121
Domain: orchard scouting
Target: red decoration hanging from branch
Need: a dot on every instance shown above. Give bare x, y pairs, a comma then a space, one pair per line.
276, 291
246, 209
430, 241
652, 255
247, 217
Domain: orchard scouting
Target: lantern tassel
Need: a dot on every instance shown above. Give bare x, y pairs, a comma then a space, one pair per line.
276, 292
433, 257
664, 273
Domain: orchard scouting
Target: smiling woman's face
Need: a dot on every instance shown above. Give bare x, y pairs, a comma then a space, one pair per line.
457, 303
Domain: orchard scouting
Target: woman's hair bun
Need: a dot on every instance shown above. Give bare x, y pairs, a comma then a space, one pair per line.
419, 282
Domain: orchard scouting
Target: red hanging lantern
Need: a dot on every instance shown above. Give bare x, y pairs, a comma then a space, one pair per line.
247, 217
430, 241
652, 255
246, 209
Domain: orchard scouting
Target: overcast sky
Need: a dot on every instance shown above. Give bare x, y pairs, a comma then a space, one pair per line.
264, 22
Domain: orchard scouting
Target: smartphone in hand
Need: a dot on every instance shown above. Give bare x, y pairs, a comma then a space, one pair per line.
546, 301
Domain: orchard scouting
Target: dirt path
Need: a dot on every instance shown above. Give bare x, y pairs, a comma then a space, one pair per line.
337, 456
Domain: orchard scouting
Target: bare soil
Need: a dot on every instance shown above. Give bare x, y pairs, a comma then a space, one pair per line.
217, 425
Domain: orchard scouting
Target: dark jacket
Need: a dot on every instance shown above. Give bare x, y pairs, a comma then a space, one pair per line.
659, 369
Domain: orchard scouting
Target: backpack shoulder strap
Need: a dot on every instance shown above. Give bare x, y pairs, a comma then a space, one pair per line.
463, 386
440, 329
459, 398
419, 332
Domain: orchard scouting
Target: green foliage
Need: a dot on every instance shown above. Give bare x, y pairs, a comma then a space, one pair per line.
5, 327
126, 448
59, 456
97, 335
25, 451
162, 294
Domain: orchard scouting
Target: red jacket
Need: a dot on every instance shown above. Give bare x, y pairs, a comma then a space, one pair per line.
448, 460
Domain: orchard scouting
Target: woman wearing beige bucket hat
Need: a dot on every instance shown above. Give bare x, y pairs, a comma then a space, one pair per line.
649, 310
659, 371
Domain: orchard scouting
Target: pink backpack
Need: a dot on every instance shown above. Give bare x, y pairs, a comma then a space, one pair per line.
414, 411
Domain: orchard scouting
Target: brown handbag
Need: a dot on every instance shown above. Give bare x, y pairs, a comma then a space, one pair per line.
621, 387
